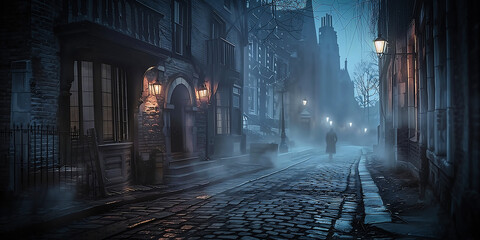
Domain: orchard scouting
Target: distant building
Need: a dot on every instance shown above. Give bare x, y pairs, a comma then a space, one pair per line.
335, 89
288, 57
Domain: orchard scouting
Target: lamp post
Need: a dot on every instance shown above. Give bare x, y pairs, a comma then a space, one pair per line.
204, 97
283, 145
304, 102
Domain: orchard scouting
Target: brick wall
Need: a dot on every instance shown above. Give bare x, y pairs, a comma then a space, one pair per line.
45, 62
150, 128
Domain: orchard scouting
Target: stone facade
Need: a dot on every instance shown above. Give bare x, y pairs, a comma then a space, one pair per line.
430, 99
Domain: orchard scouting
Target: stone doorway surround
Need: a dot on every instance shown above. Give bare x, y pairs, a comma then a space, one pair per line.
189, 133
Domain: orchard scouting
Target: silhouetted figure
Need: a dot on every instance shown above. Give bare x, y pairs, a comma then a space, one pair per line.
331, 140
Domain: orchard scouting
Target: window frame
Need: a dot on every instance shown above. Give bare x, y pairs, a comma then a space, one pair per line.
180, 18
222, 111
115, 90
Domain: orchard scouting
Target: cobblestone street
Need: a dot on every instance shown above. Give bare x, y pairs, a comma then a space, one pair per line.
307, 197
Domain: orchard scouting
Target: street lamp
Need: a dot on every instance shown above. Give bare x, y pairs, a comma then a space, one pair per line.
365, 130
283, 144
204, 97
380, 44
331, 123
328, 119
304, 102
350, 124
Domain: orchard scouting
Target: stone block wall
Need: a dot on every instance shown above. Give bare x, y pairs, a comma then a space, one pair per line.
45, 62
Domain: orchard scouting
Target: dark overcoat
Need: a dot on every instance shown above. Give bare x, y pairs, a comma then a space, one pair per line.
331, 140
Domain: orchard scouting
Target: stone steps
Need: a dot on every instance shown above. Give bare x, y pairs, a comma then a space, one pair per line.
184, 168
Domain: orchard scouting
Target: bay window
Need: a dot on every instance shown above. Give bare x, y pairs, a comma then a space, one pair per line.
110, 114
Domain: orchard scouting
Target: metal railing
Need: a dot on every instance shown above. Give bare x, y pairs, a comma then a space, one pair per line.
38, 157
126, 16
221, 52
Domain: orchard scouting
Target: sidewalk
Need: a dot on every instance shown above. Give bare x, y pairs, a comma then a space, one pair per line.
57, 207
411, 217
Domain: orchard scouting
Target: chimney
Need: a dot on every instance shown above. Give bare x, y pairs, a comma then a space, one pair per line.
345, 64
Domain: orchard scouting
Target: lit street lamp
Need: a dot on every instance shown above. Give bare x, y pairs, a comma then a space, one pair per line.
304, 102
328, 119
350, 124
331, 123
204, 97
380, 44
365, 130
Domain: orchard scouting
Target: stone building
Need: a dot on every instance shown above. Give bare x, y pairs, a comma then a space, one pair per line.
334, 88
285, 55
146, 75
429, 101
280, 42
260, 69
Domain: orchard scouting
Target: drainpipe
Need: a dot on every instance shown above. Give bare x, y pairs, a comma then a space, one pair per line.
430, 80
450, 25
440, 100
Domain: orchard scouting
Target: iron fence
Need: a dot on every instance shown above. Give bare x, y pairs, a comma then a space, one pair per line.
36, 156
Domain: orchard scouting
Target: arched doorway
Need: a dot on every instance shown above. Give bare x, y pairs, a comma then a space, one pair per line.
180, 100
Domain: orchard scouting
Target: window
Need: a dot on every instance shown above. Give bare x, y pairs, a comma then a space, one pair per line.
223, 111
112, 89
218, 27
251, 94
179, 27
81, 98
107, 102
114, 104
236, 97
255, 50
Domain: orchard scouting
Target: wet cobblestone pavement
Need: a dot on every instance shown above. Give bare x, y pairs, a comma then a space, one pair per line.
304, 198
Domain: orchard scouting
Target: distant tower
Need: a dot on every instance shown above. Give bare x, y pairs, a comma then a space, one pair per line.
329, 89
327, 41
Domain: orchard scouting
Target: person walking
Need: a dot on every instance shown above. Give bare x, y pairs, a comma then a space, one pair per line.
331, 140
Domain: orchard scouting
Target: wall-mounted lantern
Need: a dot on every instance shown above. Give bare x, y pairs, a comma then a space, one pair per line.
380, 44
203, 94
153, 80
155, 88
